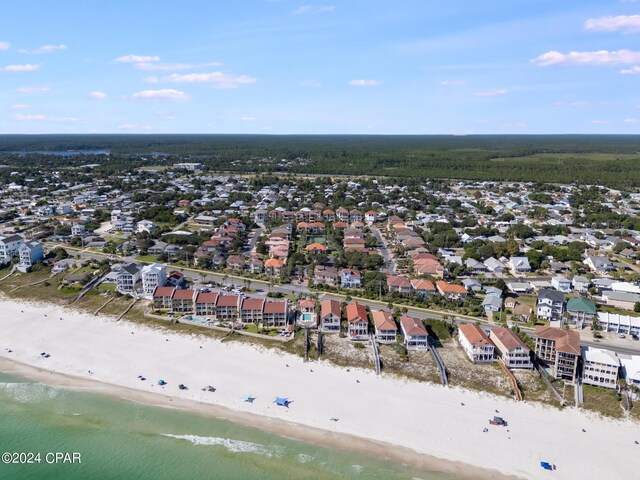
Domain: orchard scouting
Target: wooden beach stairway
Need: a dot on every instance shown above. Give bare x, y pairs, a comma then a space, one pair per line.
512, 380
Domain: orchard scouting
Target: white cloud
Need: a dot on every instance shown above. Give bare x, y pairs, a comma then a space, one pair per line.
600, 122
217, 79
44, 49
630, 71
313, 9
631, 121
364, 83
619, 23
26, 67
163, 94
33, 90
452, 83
44, 118
5, 45
133, 126
137, 59
491, 93
599, 57
18, 106
151, 66
97, 95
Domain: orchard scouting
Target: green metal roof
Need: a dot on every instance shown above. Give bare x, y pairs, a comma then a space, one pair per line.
581, 304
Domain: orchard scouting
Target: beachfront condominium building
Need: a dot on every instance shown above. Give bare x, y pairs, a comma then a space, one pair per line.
205, 303
9, 247
550, 305
559, 349
475, 343
161, 297
29, 253
251, 310
182, 301
510, 348
227, 307
154, 275
600, 367
415, 334
385, 326
358, 323
330, 316
127, 278
276, 314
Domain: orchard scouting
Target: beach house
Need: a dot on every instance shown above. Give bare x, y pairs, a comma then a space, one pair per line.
451, 291
581, 312
600, 367
330, 316
29, 253
415, 334
475, 343
510, 348
127, 278
617, 323
9, 247
154, 275
386, 330
550, 305
559, 350
358, 323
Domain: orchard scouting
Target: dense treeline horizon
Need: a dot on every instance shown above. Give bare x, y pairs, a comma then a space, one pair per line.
611, 160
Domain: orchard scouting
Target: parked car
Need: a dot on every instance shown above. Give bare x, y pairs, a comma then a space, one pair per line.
622, 335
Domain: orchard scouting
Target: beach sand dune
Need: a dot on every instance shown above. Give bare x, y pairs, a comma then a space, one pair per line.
421, 424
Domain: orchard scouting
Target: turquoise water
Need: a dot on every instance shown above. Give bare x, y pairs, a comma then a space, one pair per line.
307, 317
196, 319
118, 439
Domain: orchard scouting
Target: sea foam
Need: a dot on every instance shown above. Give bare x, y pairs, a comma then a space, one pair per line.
235, 446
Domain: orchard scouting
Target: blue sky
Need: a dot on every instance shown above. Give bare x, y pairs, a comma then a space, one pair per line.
348, 66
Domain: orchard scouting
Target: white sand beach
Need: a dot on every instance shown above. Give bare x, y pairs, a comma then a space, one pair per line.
406, 416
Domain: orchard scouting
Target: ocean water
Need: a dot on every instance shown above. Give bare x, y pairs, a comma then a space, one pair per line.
118, 439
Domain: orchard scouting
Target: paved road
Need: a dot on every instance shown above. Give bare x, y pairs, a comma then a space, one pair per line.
252, 243
390, 264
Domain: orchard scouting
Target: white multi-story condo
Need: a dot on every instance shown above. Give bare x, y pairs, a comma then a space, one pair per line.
154, 275
601, 367
9, 246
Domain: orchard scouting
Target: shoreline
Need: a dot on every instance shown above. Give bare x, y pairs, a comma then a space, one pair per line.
283, 428
425, 426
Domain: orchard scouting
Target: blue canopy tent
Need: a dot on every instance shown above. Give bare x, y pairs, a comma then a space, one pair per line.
283, 402
161, 382
248, 398
546, 465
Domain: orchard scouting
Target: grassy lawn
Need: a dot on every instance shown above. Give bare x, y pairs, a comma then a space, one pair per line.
602, 400
106, 287
148, 258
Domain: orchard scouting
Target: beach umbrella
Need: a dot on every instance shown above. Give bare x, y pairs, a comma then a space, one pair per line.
281, 401
161, 382
248, 398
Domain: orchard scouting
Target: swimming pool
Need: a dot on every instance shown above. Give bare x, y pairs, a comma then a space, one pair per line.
307, 317
196, 319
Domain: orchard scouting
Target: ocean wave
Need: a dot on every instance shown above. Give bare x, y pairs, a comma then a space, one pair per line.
304, 458
234, 446
30, 392
357, 468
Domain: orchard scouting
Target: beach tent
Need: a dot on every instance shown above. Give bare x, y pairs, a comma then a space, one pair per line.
283, 402
248, 398
161, 382
546, 465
